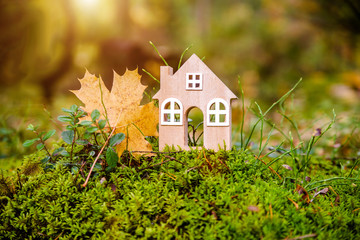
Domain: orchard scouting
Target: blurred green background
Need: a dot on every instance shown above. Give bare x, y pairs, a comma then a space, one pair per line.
46, 45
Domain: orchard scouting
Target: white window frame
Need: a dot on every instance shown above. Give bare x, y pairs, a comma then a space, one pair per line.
217, 112
172, 111
193, 81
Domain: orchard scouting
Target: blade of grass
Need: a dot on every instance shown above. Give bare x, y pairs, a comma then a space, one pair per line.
293, 124
150, 75
103, 104
352, 169
271, 107
183, 53
243, 114
261, 126
276, 159
151, 43
267, 141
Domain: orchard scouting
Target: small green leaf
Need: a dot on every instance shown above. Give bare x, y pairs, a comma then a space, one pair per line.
31, 127
92, 129
102, 123
49, 134
81, 142
95, 115
45, 160
74, 170
86, 123
97, 167
92, 153
30, 142
58, 151
40, 146
65, 153
67, 110
80, 114
87, 135
68, 136
116, 139
74, 108
111, 157
41, 134
63, 118
70, 127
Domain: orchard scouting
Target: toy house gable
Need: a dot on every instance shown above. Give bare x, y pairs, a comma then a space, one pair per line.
193, 85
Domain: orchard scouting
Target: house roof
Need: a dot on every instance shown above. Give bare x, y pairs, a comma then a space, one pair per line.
194, 62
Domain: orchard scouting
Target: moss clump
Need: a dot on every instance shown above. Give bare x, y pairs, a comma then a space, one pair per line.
192, 195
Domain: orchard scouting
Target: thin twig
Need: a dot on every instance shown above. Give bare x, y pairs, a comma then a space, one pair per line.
268, 166
193, 168
224, 164
342, 158
96, 159
211, 167
303, 237
155, 152
157, 164
172, 176
174, 159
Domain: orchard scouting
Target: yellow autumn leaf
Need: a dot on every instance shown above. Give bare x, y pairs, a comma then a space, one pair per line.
122, 107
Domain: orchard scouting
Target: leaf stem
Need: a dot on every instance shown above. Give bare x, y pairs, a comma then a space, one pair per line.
103, 104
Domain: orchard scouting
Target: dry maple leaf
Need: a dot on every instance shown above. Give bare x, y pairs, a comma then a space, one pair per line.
122, 106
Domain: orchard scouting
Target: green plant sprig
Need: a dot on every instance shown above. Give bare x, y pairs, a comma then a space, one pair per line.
41, 138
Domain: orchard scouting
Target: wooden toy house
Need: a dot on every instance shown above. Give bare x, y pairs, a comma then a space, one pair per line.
193, 85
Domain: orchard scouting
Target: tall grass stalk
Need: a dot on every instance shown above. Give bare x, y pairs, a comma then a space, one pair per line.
262, 115
243, 115
157, 51
182, 55
314, 139
329, 180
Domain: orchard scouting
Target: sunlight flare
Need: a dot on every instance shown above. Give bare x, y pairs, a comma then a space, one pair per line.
88, 4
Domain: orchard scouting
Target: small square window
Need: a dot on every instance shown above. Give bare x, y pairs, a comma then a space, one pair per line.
194, 81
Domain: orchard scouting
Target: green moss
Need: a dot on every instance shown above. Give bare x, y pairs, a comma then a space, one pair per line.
184, 199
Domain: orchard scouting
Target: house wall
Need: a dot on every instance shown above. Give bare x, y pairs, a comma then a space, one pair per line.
217, 137
171, 136
174, 86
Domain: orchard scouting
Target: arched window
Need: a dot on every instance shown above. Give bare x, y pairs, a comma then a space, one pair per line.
171, 112
217, 112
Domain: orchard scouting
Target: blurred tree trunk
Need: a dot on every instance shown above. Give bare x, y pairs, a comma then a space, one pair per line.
49, 79
20, 48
